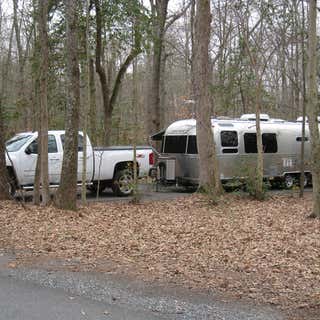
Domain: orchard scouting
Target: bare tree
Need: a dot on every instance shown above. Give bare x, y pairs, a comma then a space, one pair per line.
159, 10
110, 92
4, 178
43, 80
312, 106
66, 197
209, 179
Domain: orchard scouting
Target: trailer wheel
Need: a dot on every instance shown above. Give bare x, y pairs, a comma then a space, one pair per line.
289, 181
122, 184
305, 181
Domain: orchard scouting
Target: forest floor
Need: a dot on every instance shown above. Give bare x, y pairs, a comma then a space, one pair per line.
267, 251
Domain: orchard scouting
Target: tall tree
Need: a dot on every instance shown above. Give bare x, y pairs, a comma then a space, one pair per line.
43, 80
312, 106
23, 45
159, 9
303, 102
110, 91
66, 197
4, 178
209, 175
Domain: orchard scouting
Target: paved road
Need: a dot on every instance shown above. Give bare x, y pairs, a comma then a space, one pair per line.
32, 294
148, 192
21, 300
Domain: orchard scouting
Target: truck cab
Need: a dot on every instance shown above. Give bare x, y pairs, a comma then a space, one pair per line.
22, 155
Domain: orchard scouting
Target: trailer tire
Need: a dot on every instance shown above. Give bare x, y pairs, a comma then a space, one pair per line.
306, 180
289, 181
122, 184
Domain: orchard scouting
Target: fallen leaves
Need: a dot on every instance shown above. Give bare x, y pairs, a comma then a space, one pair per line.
268, 250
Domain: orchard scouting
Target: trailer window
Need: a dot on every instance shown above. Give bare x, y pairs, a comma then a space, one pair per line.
230, 150
175, 144
229, 138
269, 142
192, 145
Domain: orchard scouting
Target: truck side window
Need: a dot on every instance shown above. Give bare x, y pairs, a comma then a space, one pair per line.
269, 142
80, 142
52, 145
175, 144
192, 145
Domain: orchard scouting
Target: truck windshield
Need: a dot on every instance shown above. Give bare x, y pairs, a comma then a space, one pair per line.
15, 143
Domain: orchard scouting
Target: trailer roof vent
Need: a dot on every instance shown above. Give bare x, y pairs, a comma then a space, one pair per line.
224, 118
300, 119
227, 124
252, 117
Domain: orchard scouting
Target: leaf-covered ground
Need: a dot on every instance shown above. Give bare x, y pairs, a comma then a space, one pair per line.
268, 251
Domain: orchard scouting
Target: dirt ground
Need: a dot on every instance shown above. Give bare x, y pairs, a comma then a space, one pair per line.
268, 251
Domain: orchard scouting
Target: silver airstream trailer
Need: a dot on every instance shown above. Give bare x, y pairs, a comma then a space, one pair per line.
236, 150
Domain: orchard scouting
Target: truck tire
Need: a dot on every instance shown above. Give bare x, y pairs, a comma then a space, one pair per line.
12, 188
12, 183
94, 187
122, 184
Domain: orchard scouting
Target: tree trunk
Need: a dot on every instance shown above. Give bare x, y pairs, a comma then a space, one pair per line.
109, 97
159, 11
22, 103
43, 134
85, 106
209, 177
67, 192
303, 102
4, 179
312, 106
259, 194
105, 87
93, 107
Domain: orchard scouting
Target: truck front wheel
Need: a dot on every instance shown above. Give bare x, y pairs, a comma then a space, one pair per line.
122, 184
12, 183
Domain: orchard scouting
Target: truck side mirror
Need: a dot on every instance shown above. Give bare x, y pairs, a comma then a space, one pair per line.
28, 150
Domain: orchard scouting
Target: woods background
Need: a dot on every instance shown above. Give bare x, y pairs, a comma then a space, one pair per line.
154, 88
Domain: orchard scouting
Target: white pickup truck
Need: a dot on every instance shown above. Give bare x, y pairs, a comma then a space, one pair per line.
106, 167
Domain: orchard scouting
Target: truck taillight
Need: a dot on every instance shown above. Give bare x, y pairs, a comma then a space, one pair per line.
151, 158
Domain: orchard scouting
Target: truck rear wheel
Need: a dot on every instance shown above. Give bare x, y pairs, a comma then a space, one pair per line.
122, 184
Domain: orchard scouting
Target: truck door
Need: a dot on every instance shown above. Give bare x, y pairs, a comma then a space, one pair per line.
30, 157
80, 158
28, 161
89, 164
55, 157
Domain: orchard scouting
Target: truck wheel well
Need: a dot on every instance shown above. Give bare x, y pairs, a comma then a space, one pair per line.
12, 175
13, 181
124, 165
